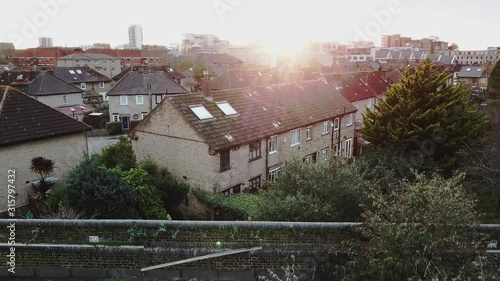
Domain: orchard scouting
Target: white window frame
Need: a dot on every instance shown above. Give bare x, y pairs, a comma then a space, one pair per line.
349, 121
273, 174
323, 154
101, 84
65, 99
116, 118
139, 99
294, 142
309, 133
83, 86
123, 100
348, 148
336, 124
325, 127
273, 144
143, 115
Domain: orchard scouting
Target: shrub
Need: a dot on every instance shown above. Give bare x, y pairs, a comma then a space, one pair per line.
242, 206
119, 155
114, 128
149, 203
93, 189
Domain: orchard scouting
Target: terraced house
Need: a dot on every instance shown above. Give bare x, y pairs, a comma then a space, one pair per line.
237, 140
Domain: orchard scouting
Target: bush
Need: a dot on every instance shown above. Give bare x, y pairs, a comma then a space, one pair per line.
114, 128
242, 206
149, 203
97, 191
171, 190
119, 155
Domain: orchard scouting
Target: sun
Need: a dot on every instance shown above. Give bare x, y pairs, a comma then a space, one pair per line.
283, 45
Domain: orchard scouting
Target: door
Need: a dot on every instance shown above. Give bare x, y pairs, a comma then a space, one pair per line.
125, 122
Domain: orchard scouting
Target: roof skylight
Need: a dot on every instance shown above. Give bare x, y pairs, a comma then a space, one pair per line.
226, 108
78, 71
71, 71
201, 112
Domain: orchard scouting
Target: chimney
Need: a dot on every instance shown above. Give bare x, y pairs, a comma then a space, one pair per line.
205, 88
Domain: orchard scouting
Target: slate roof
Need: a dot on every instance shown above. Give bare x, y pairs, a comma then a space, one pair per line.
82, 74
135, 83
354, 89
23, 119
217, 58
171, 72
291, 105
381, 54
377, 83
17, 77
46, 84
228, 80
471, 72
447, 59
88, 56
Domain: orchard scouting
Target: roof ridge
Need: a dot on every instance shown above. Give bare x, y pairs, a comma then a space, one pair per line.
4, 97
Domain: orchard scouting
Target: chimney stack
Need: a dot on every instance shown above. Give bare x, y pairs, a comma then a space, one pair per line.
205, 88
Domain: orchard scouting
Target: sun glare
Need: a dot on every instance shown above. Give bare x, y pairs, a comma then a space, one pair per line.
282, 45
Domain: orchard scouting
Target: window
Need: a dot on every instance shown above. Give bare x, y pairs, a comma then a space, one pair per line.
254, 184
274, 174
325, 127
336, 149
323, 154
309, 133
65, 99
116, 118
310, 159
83, 86
232, 190
254, 151
348, 148
139, 99
226, 108
101, 84
224, 161
158, 98
273, 144
123, 100
201, 112
144, 114
295, 137
336, 124
348, 121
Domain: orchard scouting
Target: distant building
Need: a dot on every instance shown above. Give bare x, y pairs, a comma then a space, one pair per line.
45, 42
101, 46
476, 57
432, 44
192, 44
135, 36
107, 65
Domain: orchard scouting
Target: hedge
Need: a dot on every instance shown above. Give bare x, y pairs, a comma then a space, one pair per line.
114, 128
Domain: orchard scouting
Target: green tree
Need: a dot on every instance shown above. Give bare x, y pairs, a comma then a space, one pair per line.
424, 117
494, 82
119, 155
327, 191
149, 203
422, 231
99, 192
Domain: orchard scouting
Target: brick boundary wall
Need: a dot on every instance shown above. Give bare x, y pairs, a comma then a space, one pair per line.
61, 248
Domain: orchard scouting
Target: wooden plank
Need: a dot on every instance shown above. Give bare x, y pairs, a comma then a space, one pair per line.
209, 256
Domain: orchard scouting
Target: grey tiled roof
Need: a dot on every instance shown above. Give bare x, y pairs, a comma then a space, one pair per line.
23, 118
471, 72
47, 84
135, 83
82, 74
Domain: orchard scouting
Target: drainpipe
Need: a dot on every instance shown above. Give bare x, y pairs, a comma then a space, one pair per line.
267, 157
338, 138
150, 100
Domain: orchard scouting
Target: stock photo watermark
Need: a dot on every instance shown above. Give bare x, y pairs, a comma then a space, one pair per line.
11, 211
32, 25
380, 19
222, 7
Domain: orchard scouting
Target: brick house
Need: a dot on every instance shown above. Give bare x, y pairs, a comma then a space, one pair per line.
28, 129
237, 140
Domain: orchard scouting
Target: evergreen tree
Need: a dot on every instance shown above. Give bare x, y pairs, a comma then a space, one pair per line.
423, 115
494, 82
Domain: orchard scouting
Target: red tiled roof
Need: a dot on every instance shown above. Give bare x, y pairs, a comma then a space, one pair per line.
23, 118
354, 89
291, 105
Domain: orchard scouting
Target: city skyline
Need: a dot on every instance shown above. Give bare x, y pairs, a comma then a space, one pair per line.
242, 21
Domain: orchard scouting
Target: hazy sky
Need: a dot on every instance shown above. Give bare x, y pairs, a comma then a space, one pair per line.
470, 24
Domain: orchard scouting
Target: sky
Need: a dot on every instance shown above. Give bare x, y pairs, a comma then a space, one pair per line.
281, 23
